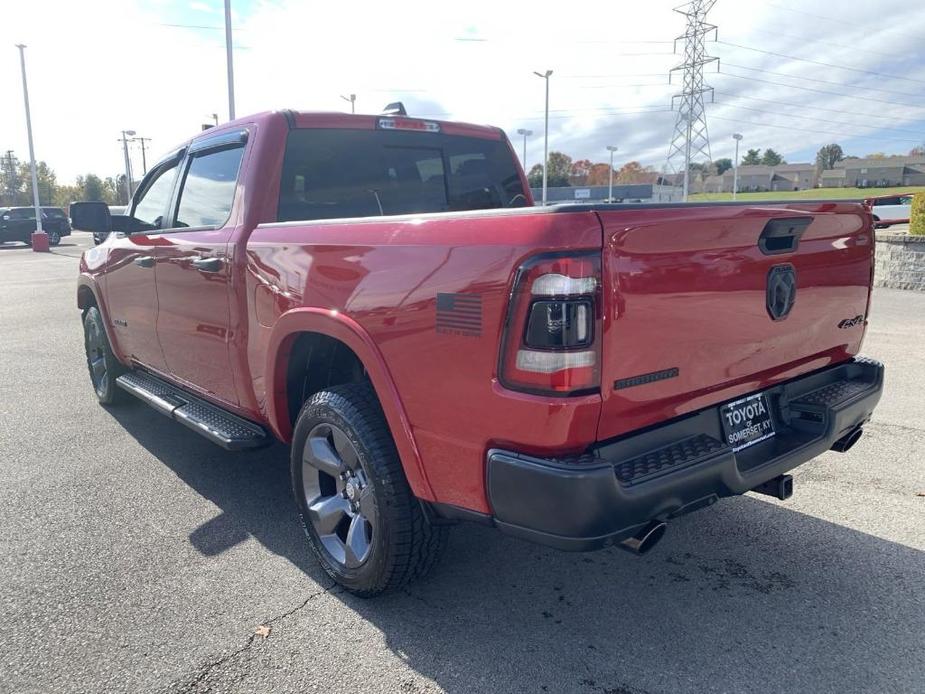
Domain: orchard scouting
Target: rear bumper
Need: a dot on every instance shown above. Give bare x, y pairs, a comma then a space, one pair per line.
620, 486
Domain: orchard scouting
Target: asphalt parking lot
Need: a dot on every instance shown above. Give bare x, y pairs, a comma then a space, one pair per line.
138, 557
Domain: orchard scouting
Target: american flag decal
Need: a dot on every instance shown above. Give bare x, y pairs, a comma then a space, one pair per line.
459, 314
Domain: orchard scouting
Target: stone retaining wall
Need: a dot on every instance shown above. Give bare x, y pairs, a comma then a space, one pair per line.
900, 261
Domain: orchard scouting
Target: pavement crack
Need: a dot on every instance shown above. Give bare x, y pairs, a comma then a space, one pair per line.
889, 425
191, 685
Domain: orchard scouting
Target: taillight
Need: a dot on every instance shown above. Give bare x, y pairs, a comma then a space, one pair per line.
408, 124
551, 343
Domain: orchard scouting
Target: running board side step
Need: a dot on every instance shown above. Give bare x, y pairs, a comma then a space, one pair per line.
218, 425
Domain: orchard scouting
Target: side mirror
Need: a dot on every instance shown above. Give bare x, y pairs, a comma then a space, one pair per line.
90, 216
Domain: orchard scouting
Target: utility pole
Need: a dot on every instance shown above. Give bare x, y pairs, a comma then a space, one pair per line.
11, 177
353, 100
735, 166
526, 133
229, 60
691, 139
545, 76
144, 161
611, 149
128, 165
215, 118
35, 177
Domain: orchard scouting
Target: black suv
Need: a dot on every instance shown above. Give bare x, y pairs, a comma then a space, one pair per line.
18, 224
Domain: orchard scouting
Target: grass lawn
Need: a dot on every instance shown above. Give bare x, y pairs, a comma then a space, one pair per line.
813, 194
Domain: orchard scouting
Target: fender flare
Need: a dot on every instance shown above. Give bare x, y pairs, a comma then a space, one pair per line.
85, 281
337, 326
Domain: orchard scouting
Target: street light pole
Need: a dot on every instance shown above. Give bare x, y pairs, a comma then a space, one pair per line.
352, 99
545, 76
35, 176
735, 166
526, 133
229, 60
611, 149
128, 165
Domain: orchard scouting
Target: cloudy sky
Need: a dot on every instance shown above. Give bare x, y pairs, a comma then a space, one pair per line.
795, 74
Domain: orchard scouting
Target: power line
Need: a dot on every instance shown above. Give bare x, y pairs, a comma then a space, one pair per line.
816, 79
777, 102
828, 133
821, 91
920, 133
819, 62
815, 41
827, 19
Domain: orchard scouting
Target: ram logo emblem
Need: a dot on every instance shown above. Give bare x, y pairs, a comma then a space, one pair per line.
782, 291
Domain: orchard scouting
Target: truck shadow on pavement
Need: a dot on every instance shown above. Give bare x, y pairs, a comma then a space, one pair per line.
746, 596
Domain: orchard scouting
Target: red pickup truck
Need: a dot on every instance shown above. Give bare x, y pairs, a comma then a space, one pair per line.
381, 293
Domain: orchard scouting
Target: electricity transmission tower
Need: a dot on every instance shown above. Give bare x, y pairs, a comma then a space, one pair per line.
691, 141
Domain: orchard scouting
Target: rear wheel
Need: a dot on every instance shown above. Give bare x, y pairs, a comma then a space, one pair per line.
54, 238
363, 523
102, 363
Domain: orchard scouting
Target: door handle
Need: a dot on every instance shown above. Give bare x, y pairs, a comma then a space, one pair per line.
144, 261
207, 264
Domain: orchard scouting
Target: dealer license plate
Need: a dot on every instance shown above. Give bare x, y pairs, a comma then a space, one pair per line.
746, 421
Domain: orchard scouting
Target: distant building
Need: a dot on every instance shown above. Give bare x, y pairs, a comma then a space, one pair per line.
794, 177
877, 173
638, 192
755, 178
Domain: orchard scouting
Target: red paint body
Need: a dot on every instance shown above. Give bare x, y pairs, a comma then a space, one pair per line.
683, 286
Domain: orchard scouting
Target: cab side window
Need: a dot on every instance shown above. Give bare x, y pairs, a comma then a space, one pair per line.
208, 188
150, 208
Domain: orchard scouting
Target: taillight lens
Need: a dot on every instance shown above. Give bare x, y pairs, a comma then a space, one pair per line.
551, 342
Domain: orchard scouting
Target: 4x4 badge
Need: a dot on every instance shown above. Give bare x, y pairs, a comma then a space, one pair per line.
851, 322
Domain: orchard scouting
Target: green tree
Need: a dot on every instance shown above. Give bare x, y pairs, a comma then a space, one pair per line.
560, 166
722, 165
917, 217
828, 156
771, 158
752, 157
534, 178
91, 188
47, 181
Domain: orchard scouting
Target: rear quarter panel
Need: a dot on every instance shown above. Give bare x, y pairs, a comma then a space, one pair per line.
385, 275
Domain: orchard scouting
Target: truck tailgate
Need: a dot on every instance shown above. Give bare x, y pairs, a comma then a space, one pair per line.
687, 320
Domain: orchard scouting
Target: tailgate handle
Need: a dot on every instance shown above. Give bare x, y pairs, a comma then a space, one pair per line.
782, 235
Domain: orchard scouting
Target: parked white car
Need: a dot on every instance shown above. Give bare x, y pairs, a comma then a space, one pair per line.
893, 209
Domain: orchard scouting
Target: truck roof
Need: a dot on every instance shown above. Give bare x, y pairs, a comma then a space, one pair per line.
336, 119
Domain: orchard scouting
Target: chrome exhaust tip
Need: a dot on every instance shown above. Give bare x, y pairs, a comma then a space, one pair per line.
846, 442
645, 539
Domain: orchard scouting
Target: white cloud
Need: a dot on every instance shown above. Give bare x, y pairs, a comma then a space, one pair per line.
97, 68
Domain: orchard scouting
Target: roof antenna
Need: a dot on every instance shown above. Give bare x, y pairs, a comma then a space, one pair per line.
396, 108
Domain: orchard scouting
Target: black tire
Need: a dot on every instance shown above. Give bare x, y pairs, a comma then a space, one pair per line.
102, 364
400, 542
54, 238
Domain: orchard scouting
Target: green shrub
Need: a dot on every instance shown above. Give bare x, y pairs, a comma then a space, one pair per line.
917, 218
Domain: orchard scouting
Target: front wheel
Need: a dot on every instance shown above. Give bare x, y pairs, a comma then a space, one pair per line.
102, 363
54, 238
363, 523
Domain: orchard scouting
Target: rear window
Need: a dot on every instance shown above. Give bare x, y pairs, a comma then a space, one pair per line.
330, 174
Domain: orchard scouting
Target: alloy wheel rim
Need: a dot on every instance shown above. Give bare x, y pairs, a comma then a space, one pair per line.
96, 356
338, 496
